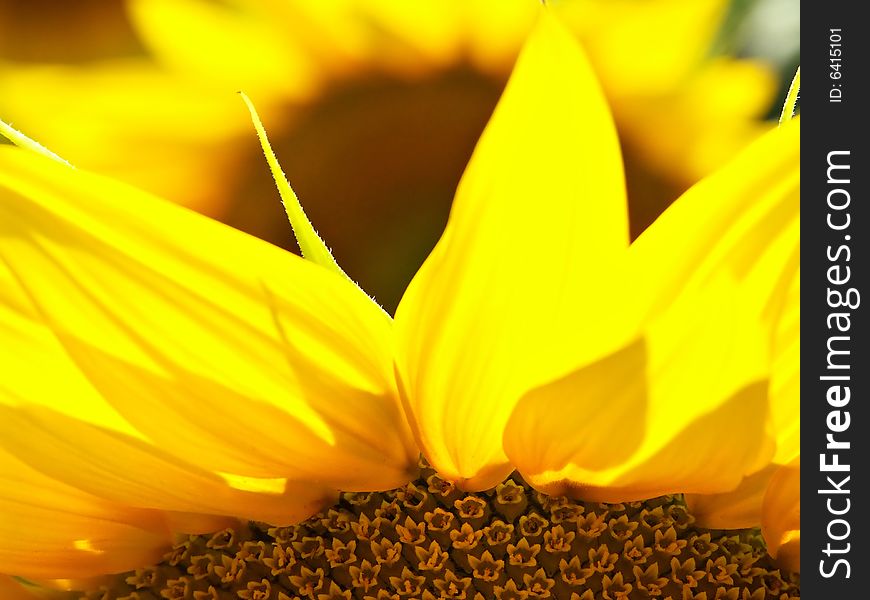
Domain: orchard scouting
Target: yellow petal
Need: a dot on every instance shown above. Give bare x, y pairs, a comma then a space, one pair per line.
14, 589
426, 30
51, 530
62, 426
785, 384
709, 118
781, 519
670, 390
106, 106
541, 205
741, 507
227, 46
19, 139
494, 30
655, 63
310, 243
218, 348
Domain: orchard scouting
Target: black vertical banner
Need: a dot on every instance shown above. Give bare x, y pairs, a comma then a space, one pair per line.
835, 371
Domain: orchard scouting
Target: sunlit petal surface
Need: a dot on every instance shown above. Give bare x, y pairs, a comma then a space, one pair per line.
671, 391
742, 506
474, 327
49, 529
265, 371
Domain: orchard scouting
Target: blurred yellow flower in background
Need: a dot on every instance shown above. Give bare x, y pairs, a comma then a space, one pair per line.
351, 86
163, 371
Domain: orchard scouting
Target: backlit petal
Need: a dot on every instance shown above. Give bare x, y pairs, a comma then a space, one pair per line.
785, 384
540, 206
18, 588
741, 507
62, 426
670, 393
781, 519
644, 48
51, 530
221, 350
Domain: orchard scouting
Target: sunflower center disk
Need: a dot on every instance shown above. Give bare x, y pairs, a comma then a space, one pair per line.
430, 540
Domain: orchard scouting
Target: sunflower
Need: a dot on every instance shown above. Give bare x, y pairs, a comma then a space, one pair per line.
352, 85
163, 372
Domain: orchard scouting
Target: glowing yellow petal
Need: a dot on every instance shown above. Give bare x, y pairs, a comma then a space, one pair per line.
61, 425
789, 106
541, 204
670, 393
331, 33
653, 58
736, 509
51, 530
219, 348
781, 517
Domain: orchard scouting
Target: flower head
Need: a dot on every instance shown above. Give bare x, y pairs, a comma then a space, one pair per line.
172, 371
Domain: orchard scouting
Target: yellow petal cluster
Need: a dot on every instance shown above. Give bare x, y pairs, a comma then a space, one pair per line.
162, 371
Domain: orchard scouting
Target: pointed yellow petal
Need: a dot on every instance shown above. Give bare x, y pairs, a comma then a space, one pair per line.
542, 200
670, 393
216, 347
781, 518
50, 530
